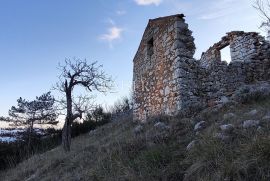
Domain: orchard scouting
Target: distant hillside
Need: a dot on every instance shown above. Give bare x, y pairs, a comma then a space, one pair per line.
230, 141
13, 134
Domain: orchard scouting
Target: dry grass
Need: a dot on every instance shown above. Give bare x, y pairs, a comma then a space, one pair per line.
114, 152
245, 156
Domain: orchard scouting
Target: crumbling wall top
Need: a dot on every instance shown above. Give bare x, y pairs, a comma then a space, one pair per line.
244, 46
154, 25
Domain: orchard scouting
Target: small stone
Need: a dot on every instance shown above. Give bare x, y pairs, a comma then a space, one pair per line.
227, 128
200, 125
170, 28
228, 116
166, 91
92, 132
223, 100
252, 113
181, 25
178, 44
191, 145
260, 129
250, 123
266, 117
138, 129
161, 125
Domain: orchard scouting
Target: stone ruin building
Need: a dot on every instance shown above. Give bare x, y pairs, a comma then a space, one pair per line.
167, 79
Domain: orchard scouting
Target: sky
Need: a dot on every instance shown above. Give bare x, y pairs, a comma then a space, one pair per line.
35, 35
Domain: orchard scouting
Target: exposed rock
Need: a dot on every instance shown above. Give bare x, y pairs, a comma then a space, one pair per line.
251, 123
252, 112
138, 129
191, 145
223, 100
161, 125
228, 116
200, 125
92, 132
266, 117
227, 128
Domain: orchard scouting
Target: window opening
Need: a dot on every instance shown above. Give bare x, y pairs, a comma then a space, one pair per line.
150, 47
225, 54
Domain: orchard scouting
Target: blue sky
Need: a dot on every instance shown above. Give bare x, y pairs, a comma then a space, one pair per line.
37, 34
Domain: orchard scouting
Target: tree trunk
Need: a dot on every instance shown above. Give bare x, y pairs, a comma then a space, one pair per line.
66, 135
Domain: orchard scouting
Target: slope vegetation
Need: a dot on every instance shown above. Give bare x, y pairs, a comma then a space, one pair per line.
228, 142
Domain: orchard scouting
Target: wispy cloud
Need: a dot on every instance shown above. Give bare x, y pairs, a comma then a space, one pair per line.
148, 2
213, 15
114, 33
221, 8
121, 12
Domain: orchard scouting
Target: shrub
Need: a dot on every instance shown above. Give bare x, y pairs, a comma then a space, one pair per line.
251, 93
97, 118
121, 108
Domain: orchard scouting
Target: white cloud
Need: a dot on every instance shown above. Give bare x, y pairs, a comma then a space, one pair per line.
148, 2
114, 33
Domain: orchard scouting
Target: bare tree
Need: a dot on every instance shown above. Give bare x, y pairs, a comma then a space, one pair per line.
263, 7
78, 73
39, 111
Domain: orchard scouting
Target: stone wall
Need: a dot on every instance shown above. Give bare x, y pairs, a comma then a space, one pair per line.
244, 47
167, 79
156, 70
249, 63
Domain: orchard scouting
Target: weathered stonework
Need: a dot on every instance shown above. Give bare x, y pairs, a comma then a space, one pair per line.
244, 47
166, 44
167, 79
250, 62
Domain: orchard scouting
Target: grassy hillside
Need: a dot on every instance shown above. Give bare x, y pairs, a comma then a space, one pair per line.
157, 150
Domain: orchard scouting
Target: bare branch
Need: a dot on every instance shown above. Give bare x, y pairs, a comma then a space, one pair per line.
90, 76
263, 7
79, 73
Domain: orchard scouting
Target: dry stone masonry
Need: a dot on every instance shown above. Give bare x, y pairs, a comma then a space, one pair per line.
249, 63
167, 79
